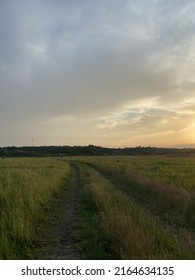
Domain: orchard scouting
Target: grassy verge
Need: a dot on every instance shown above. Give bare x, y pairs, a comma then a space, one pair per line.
26, 189
131, 232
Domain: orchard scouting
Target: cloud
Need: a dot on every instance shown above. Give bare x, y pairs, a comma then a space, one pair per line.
110, 65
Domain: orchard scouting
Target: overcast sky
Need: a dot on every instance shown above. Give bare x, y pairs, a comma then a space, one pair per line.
105, 72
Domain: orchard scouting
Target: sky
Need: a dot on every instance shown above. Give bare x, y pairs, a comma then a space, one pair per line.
103, 72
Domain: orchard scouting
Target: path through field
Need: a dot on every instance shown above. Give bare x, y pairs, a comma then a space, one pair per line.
110, 214
68, 208
58, 240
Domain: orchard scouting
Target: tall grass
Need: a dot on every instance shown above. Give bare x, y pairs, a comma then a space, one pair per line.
94, 245
172, 203
132, 232
26, 188
177, 171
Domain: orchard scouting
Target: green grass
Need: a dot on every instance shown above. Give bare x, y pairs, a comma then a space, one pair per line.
129, 207
26, 189
158, 191
93, 243
161, 194
177, 171
131, 232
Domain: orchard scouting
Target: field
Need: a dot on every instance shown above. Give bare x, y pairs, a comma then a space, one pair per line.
26, 189
106, 207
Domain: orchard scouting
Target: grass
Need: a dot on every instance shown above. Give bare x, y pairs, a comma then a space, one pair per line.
94, 245
174, 171
175, 202
131, 232
171, 204
129, 207
26, 189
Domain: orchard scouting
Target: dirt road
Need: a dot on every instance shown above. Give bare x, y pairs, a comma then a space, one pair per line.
58, 240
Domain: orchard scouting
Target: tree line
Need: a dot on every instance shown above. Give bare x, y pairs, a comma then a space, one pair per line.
90, 150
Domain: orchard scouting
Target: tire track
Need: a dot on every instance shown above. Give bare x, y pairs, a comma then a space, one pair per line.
58, 241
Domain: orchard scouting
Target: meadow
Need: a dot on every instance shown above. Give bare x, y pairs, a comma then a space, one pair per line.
158, 194
26, 188
124, 207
